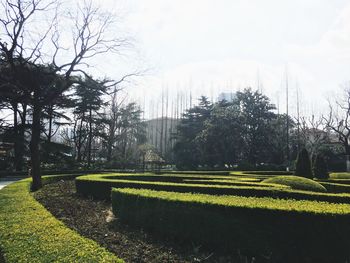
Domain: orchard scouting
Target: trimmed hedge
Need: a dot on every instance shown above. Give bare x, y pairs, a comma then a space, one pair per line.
99, 187
297, 183
340, 176
197, 172
287, 230
266, 173
29, 233
335, 187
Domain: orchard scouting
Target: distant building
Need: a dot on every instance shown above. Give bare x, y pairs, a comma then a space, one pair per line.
228, 96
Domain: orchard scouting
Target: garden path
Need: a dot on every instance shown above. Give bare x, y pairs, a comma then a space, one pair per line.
7, 180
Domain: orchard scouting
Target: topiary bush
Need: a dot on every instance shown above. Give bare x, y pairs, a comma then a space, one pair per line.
320, 168
303, 164
297, 183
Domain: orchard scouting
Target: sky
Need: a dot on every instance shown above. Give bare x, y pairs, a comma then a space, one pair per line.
204, 47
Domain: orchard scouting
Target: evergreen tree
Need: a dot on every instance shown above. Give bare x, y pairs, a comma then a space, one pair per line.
320, 168
303, 164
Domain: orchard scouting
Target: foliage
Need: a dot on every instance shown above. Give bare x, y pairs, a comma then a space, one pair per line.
303, 164
260, 224
243, 131
320, 168
186, 148
99, 186
340, 176
297, 183
29, 233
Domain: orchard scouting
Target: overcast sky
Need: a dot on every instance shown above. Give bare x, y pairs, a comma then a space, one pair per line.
211, 46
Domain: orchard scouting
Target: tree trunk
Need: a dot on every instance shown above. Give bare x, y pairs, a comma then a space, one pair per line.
34, 146
50, 113
347, 155
110, 143
90, 139
79, 145
21, 139
17, 157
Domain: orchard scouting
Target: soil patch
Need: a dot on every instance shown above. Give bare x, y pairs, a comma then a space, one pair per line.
94, 219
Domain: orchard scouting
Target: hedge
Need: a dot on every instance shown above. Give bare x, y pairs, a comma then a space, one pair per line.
297, 183
264, 173
335, 187
29, 233
287, 230
99, 187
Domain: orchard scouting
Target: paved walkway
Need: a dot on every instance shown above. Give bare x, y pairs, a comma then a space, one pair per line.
7, 180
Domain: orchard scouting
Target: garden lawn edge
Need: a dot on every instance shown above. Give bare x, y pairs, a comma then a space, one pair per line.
30, 233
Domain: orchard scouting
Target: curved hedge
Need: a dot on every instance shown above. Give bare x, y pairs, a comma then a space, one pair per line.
297, 183
29, 233
287, 230
99, 186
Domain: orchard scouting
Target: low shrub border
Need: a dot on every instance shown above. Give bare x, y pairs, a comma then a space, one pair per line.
29, 233
286, 229
99, 186
334, 187
297, 183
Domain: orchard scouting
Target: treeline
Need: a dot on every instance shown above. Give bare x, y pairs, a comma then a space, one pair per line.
88, 126
41, 65
246, 133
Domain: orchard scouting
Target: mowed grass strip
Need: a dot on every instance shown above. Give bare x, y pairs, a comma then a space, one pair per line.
29, 233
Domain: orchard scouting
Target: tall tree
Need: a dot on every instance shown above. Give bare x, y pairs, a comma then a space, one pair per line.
89, 101
338, 121
23, 50
192, 123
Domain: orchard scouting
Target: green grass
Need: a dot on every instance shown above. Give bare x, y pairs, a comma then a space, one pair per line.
297, 183
29, 233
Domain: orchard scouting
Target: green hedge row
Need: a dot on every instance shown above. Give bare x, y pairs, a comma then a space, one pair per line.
335, 187
264, 173
286, 230
29, 233
99, 186
197, 172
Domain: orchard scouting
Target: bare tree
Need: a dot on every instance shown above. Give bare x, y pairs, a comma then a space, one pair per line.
338, 121
51, 72
313, 133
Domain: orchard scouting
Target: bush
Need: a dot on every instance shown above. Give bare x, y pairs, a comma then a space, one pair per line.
99, 186
303, 165
297, 183
320, 168
335, 187
340, 176
287, 230
29, 233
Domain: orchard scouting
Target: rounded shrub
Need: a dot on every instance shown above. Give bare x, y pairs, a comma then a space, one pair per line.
320, 168
297, 183
303, 164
